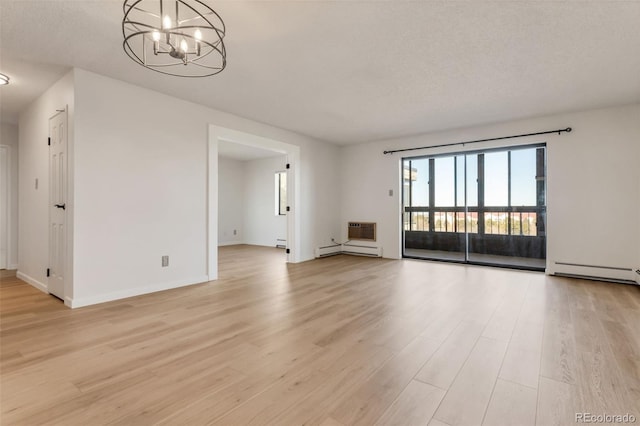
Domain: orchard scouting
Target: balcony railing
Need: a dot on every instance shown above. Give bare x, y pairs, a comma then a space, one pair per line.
500, 220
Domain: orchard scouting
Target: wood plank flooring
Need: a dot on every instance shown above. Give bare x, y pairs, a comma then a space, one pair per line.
334, 342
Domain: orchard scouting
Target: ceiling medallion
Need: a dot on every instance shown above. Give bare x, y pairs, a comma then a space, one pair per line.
175, 37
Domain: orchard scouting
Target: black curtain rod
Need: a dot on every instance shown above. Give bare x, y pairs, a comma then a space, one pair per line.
559, 131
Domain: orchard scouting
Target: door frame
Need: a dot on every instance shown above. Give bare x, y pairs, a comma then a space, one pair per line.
6, 206
217, 133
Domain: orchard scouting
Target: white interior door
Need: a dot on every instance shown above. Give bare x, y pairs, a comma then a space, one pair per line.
57, 203
4, 206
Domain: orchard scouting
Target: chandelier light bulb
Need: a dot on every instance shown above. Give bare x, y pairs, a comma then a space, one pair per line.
166, 22
183, 45
198, 37
155, 35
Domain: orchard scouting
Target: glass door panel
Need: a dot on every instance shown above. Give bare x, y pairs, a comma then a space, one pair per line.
416, 195
509, 209
442, 211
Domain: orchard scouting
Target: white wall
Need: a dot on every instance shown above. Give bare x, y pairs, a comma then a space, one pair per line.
593, 192
262, 226
141, 188
33, 204
138, 186
231, 204
9, 137
594, 196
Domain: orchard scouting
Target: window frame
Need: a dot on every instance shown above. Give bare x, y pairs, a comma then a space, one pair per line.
280, 209
432, 211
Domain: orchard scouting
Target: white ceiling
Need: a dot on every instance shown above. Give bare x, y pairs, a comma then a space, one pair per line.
241, 152
354, 71
28, 81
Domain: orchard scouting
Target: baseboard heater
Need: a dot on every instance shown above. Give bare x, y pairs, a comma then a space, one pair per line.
614, 274
359, 231
351, 249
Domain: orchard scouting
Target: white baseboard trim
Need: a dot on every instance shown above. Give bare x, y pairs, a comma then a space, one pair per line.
32, 281
259, 244
230, 243
78, 302
12, 267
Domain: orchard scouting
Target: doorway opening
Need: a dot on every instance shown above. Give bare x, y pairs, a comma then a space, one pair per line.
252, 201
253, 194
482, 207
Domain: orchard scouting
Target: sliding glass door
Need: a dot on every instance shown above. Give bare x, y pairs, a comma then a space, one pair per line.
485, 207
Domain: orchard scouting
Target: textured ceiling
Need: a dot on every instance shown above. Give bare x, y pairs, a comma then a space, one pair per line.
28, 81
348, 72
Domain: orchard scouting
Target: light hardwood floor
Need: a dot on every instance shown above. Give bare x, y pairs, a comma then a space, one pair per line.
336, 341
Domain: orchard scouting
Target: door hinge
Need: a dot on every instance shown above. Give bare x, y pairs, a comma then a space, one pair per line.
288, 208
288, 251
49, 141
288, 166
48, 272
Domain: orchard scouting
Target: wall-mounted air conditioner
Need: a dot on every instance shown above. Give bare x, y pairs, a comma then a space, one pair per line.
362, 231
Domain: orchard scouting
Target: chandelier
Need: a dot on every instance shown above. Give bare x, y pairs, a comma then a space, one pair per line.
175, 37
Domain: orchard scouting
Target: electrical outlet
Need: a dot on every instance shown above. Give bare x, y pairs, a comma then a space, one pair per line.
36, 183
391, 193
165, 261
235, 232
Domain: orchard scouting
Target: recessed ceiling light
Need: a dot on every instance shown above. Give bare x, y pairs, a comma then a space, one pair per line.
4, 80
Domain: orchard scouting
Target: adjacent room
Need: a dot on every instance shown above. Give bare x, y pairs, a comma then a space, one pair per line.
319, 212
252, 196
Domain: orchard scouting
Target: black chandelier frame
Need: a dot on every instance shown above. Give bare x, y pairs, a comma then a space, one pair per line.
132, 29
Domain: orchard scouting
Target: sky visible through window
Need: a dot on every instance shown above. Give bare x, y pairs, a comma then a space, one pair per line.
496, 168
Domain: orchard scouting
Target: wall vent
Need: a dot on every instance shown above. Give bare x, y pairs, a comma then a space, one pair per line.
363, 231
